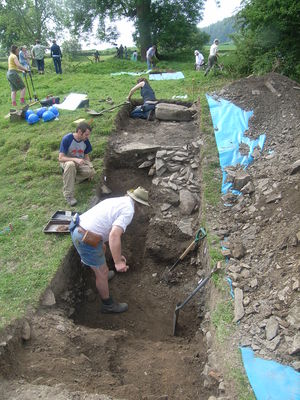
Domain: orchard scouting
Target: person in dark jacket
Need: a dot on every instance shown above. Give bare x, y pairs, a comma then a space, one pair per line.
149, 99
57, 56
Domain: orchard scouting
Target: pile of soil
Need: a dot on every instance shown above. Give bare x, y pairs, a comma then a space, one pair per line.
260, 230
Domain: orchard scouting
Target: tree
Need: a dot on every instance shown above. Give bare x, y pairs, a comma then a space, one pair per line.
269, 37
71, 48
23, 21
222, 29
153, 18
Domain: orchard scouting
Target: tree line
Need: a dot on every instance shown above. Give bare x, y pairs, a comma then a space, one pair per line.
266, 31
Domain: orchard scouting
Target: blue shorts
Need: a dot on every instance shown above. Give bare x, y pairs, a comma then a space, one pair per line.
91, 256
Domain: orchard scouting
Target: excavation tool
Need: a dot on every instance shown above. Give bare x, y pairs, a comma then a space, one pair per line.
179, 306
28, 89
34, 92
95, 113
201, 234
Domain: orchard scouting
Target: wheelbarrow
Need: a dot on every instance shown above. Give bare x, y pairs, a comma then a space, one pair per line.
201, 234
180, 305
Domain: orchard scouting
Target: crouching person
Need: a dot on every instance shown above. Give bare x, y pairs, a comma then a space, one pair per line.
106, 222
149, 100
75, 161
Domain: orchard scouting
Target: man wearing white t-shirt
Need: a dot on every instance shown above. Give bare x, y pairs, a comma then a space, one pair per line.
199, 60
213, 56
106, 222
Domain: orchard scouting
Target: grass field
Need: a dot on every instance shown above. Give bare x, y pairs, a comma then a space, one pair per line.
30, 177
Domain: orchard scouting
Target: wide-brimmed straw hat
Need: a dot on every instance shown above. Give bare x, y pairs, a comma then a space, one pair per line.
140, 195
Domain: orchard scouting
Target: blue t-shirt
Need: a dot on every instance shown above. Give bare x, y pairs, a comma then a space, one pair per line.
72, 148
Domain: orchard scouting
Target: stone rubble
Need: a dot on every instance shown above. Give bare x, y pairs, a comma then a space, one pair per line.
265, 220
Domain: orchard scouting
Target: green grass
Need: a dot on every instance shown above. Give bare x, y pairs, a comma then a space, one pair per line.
222, 318
242, 384
30, 176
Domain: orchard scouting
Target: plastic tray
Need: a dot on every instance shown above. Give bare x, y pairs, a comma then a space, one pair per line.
57, 226
63, 215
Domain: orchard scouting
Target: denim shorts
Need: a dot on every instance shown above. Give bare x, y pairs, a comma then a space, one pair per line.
91, 256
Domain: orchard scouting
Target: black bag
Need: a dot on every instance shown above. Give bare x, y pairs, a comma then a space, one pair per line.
49, 101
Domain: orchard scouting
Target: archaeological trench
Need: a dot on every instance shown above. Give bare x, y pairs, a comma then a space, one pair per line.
68, 349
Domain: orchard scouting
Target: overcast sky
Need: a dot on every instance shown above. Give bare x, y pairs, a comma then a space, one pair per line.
212, 14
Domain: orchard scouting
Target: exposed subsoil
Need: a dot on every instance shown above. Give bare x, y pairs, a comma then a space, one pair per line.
68, 350
133, 355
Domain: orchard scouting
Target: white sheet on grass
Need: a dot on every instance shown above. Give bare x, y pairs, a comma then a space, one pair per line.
72, 101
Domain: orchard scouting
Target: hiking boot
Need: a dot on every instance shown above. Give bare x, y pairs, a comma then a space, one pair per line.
114, 308
111, 274
71, 201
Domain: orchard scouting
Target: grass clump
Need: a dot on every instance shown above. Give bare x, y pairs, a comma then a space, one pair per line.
222, 318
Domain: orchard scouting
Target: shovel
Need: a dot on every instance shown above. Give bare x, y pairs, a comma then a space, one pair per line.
201, 233
96, 113
179, 306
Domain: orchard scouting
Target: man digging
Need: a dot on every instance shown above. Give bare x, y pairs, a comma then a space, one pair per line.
75, 161
106, 222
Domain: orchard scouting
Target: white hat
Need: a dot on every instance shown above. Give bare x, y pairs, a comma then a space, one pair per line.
140, 195
216, 40
196, 52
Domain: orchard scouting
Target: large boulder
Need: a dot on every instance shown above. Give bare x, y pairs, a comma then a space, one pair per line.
173, 112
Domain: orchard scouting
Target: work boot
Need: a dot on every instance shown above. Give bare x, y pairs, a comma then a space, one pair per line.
114, 308
111, 274
71, 201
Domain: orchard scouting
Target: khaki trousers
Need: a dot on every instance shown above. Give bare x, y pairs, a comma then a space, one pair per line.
74, 172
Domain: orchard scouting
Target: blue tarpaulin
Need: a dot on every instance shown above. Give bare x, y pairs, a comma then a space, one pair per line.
230, 123
166, 76
269, 379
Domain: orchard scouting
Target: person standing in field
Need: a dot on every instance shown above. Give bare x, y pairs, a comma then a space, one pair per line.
213, 56
14, 79
56, 55
38, 53
23, 57
151, 57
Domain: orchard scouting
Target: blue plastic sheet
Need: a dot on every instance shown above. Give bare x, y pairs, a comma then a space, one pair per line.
166, 76
230, 123
269, 379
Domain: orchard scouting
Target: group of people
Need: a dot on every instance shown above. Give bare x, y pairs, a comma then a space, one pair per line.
122, 52
108, 220
19, 60
105, 222
212, 58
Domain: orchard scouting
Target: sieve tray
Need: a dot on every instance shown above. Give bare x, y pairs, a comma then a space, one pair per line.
57, 226
63, 215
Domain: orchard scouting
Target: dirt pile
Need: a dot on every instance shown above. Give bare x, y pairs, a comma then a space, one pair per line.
260, 230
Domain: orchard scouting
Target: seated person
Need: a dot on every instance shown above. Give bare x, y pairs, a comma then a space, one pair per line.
149, 100
75, 161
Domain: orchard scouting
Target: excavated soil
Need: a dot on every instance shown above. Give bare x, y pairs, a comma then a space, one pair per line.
263, 224
133, 355
68, 350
